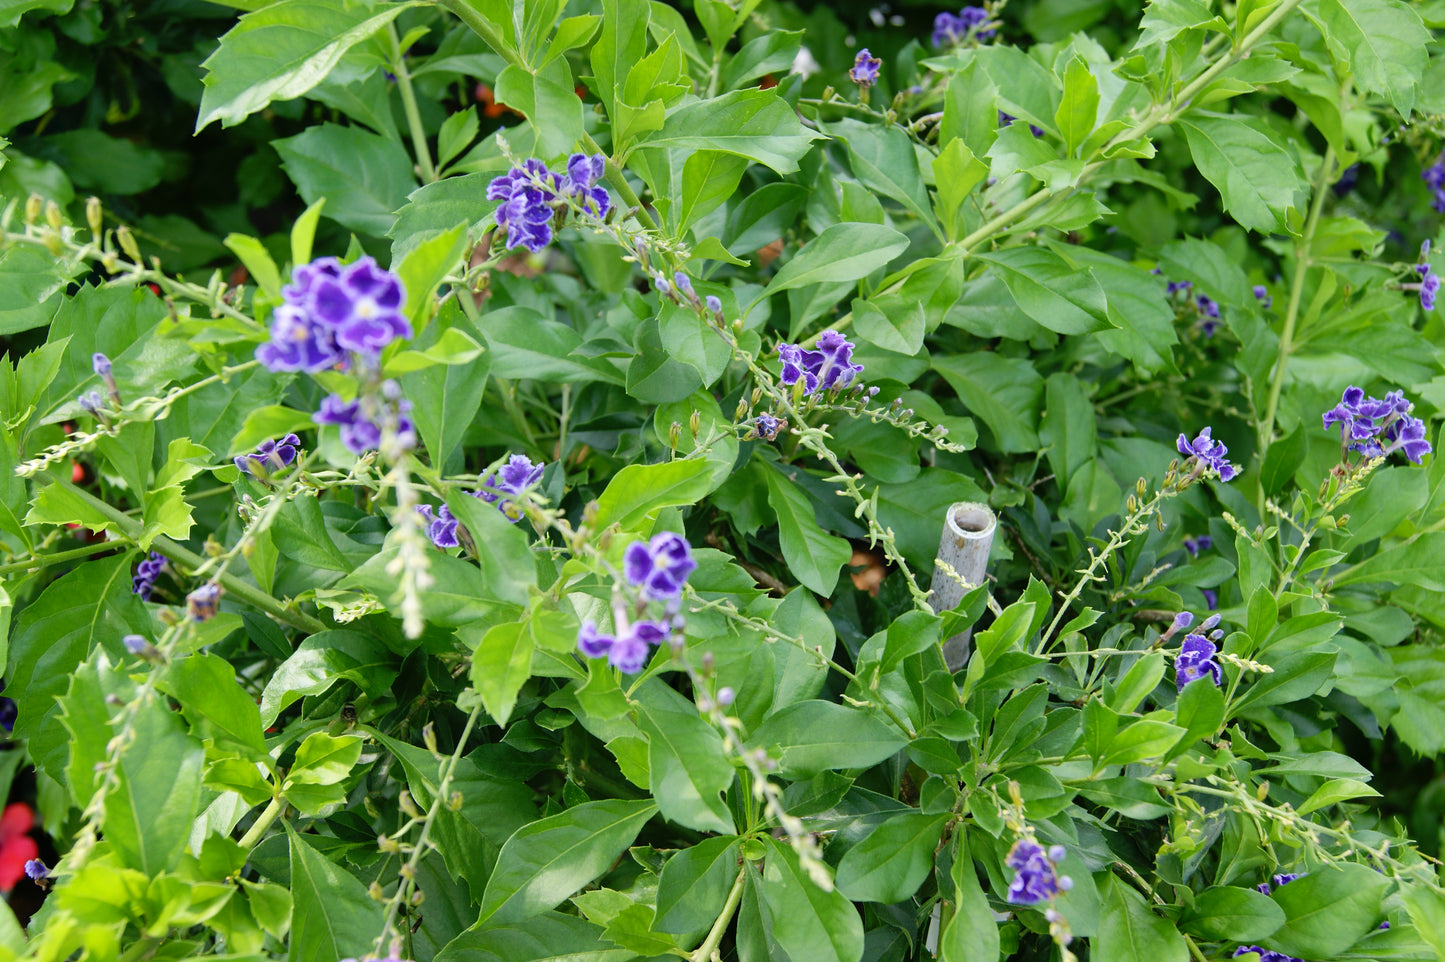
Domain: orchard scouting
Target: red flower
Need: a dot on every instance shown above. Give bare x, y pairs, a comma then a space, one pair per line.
16, 845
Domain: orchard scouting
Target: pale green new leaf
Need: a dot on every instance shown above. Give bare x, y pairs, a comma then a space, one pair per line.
1258, 179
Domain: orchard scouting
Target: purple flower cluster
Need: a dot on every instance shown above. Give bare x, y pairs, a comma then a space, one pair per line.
1377, 428
441, 525
1034, 878
361, 421
1209, 453
146, 574
626, 651
1196, 658
830, 366
530, 197
331, 309
865, 68
514, 477
270, 456
1209, 311
1284, 878
659, 567
949, 29
1434, 175
1265, 955
1195, 545
1429, 286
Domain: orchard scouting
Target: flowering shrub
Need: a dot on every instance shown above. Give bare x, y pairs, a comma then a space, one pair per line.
498, 500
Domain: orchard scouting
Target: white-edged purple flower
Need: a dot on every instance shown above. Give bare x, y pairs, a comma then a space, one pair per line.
1035, 880
628, 651
1209, 453
270, 456
204, 603
864, 71
136, 644
659, 567
1377, 428
827, 368
1196, 661
299, 344
766, 426
146, 574
580, 181
949, 29
514, 477
331, 309
441, 525
360, 427
528, 194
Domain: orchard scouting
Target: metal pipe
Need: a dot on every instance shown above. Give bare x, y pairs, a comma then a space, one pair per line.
962, 564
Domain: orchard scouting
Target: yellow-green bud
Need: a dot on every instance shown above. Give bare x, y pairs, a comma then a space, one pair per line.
53, 216
34, 204
94, 216
127, 243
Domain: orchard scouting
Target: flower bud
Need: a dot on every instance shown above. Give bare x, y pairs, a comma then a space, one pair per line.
34, 205
94, 216
53, 216
127, 243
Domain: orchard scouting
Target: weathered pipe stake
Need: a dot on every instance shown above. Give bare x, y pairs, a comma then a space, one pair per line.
962, 564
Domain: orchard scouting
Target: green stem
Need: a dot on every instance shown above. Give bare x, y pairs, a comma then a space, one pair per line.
1291, 317
132, 530
482, 27
408, 103
263, 822
709, 945
618, 180
40, 562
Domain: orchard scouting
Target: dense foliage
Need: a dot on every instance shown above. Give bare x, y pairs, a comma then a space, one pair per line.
471, 474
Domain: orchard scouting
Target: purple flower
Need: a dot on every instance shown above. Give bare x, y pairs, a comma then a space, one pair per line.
441, 527
135, 644
1196, 661
580, 181
1034, 878
1195, 545
299, 344
330, 309
1176, 286
146, 574
101, 365
714, 304
765, 426
359, 421
204, 603
528, 194
514, 477
1261, 294
1207, 306
627, 652
684, 286
1434, 176
92, 403
271, 456
827, 368
1429, 287
865, 69
949, 29
1265, 955
36, 870
1211, 599
1005, 119
1209, 453
1377, 428
659, 567
1348, 178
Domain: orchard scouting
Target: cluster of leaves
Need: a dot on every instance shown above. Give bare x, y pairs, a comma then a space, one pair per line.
377, 747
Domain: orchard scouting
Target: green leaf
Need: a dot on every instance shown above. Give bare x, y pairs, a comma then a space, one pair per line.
445, 398
1259, 180
622, 43
709, 179
972, 934
813, 736
29, 280
843, 252
333, 916
501, 664
884, 161
320, 662
363, 177
1334, 791
1005, 393
1227, 914
1052, 291
956, 172
552, 936
688, 770
1130, 932
548, 100
1068, 426
214, 704
814, 557
524, 345
257, 259
1382, 42
91, 605
1166, 19
157, 795
548, 860
12, 10
694, 885
901, 333
893, 860
1330, 910
1420, 562
756, 124
1145, 738
808, 922
281, 51
1079, 108
325, 759
639, 491
423, 268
